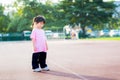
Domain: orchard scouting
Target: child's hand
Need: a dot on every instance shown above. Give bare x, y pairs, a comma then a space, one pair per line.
34, 49
47, 47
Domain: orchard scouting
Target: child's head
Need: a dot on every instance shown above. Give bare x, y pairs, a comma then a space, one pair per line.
39, 21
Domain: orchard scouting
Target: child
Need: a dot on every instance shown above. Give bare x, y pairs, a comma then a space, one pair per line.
39, 45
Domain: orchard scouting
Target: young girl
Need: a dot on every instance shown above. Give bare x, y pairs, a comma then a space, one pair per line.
39, 45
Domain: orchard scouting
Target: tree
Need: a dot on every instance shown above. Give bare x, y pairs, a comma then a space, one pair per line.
22, 19
54, 16
4, 20
87, 12
28, 9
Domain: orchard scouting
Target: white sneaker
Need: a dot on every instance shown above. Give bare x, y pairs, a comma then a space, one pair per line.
46, 69
37, 70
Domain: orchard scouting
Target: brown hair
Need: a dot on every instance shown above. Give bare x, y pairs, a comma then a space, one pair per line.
38, 19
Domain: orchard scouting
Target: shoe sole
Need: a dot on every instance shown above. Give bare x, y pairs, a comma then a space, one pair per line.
36, 71
46, 70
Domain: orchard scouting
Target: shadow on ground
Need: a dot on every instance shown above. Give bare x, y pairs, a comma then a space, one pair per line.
70, 75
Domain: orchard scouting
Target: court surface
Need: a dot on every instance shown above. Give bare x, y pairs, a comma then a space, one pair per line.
67, 60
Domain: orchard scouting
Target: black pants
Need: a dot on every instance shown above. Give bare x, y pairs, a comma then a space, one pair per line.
39, 59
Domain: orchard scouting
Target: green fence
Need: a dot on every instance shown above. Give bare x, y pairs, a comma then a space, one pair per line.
13, 37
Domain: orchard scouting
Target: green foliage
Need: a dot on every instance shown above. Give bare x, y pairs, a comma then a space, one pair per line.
74, 12
22, 19
86, 12
4, 20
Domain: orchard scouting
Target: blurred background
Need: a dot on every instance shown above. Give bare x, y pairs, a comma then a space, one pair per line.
65, 19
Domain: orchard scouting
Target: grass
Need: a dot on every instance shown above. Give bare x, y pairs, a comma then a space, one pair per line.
105, 38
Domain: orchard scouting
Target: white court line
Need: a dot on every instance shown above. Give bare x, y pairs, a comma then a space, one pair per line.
81, 77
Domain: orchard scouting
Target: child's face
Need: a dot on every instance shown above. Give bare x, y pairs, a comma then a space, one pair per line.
40, 24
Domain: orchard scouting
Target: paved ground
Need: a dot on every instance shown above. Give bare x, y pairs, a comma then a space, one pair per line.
67, 59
